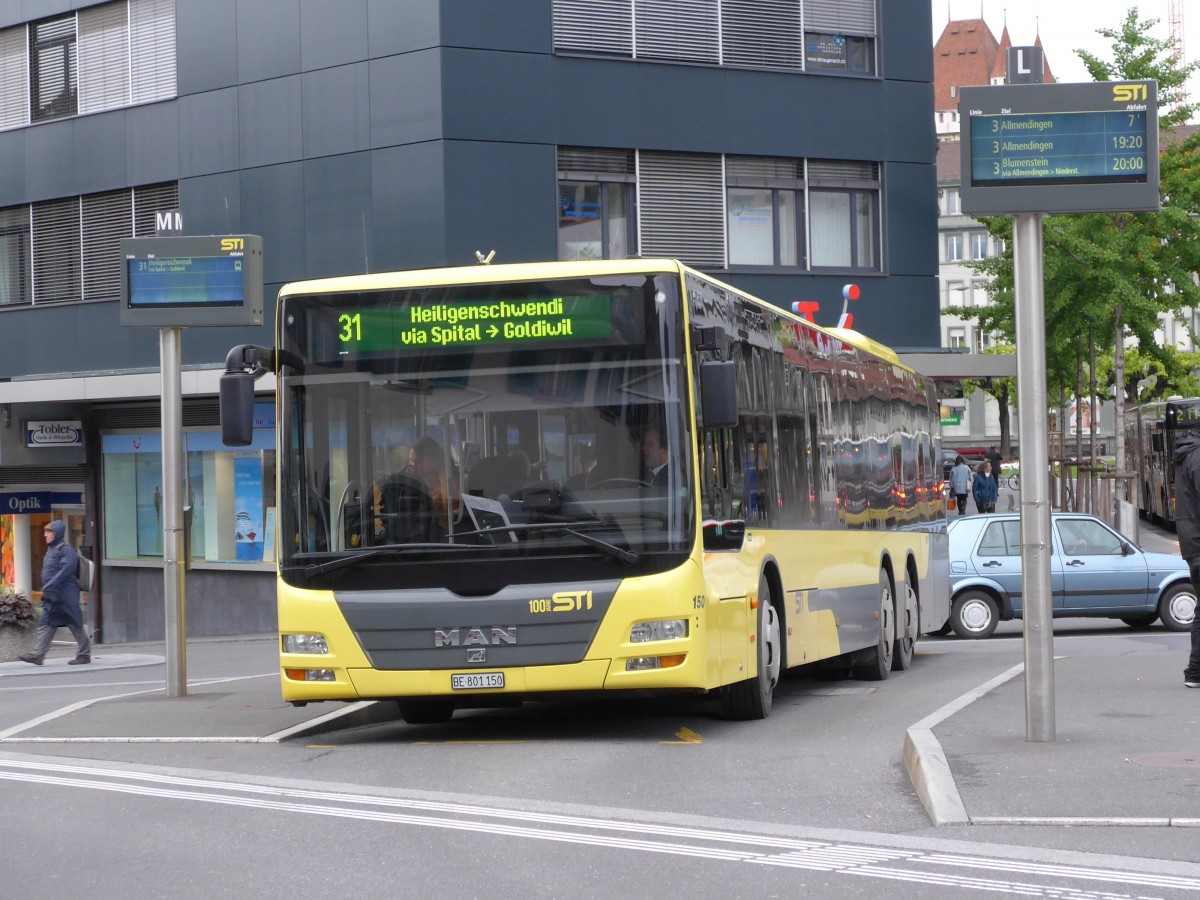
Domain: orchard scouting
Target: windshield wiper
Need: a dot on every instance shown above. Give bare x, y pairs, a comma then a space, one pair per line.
312, 570
628, 557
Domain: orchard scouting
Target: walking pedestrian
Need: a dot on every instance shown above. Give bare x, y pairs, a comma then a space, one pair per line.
960, 483
60, 599
985, 488
993, 456
1187, 526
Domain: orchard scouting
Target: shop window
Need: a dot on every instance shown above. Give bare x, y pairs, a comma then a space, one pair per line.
231, 493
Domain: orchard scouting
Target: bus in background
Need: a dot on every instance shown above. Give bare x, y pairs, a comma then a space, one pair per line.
506, 482
1150, 434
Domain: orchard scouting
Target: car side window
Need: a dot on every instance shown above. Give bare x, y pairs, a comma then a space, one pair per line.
1080, 537
1001, 539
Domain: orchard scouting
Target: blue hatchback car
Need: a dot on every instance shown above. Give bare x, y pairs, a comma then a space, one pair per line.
1094, 571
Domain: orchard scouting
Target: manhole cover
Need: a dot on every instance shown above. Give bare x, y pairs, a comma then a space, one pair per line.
1170, 760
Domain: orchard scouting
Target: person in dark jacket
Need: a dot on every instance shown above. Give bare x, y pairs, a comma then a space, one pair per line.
985, 489
60, 599
993, 456
1187, 526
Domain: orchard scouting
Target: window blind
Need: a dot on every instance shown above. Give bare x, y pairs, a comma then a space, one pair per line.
14, 77
152, 49
107, 218
56, 251
681, 204
594, 26
103, 57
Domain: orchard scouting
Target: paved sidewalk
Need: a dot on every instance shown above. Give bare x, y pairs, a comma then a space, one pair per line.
1126, 748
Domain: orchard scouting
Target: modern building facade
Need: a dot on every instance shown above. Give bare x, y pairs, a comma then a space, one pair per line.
782, 145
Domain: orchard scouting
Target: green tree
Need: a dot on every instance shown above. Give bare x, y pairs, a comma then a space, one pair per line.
1114, 274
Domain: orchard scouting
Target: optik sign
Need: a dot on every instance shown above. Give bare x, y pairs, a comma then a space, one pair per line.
53, 434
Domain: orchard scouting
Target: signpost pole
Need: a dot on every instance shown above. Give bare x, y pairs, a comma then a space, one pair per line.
1035, 477
169, 340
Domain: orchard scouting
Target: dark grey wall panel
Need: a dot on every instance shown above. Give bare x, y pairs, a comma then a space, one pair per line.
12, 168
273, 208
520, 25
500, 197
337, 215
50, 160
337, 111
332, 34
268, 39
152, 143
401, 26
211, 204
269, 122
101, 157
406, 98
206, 45
497, 96
908, 47
72, 337
912, 239
208, 132
409, 207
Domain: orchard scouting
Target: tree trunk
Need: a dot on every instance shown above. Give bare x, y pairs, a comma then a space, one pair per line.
1119, 392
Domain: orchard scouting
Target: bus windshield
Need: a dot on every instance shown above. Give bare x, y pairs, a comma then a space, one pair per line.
497, 425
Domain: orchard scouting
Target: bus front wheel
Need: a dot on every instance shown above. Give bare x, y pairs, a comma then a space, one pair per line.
751, 699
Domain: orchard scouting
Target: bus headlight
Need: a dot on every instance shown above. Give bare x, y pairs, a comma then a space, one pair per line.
662, 630
305, 643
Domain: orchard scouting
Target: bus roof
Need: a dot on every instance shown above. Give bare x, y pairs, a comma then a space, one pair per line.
485, 274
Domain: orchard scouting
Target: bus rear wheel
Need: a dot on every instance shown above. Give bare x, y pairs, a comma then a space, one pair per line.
752, 698
876, 662
907, 628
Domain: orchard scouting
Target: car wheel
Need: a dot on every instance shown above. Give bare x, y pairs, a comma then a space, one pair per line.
1140, 621
876, 662
1177, 607
907, 629
974, 615
751, 699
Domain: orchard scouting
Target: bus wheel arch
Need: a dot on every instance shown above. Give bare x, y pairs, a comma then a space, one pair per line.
908, 619
752, 698
875, 663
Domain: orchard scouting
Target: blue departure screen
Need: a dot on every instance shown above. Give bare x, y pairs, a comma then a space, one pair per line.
186, 281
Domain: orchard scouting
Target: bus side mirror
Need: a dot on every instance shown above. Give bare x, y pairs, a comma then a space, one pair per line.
718, 393
236, 398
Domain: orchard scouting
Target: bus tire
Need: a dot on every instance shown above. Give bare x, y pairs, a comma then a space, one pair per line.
751, 699
876, 662
907, 629
1177, 607
426, 712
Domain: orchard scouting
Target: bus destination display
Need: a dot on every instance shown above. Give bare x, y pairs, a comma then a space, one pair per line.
185, 281
457, 325
1057, 147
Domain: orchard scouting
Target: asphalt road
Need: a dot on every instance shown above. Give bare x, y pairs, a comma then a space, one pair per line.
557, 799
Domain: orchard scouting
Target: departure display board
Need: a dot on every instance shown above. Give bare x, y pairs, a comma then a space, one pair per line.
534, 321
188, 281
1060, 148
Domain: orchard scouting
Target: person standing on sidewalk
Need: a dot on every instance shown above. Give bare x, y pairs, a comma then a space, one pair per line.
1187, 526
960, 483
985, 488
993, 456
60, 599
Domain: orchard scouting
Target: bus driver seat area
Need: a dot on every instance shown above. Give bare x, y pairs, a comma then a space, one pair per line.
406, 508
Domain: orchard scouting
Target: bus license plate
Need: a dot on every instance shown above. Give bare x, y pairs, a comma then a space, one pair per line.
476, 680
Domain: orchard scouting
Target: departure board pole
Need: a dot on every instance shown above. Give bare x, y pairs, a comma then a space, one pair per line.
170, 340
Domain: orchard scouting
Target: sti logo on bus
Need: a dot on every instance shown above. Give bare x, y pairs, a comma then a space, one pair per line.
237, 243
474, 637
1128, 93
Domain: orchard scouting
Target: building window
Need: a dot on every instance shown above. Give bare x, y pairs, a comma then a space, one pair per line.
765, 211
983, 340
596, 210
839, 53
14, 255
979, 245
954, 248
231, 493
953, 202
956, 337
52, 69
843, 203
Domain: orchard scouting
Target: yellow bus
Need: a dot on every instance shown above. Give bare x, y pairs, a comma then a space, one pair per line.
506, 482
